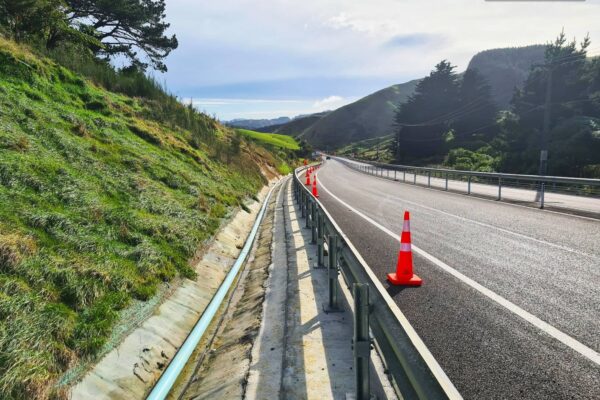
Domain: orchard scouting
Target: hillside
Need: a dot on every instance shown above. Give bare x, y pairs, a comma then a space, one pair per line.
296, 125
506, 69
101, 202
372, 116
368, 117
256, 123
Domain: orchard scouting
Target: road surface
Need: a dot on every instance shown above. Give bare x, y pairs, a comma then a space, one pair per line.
510, 305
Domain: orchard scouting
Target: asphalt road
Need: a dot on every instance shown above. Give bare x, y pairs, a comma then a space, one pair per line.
520, 318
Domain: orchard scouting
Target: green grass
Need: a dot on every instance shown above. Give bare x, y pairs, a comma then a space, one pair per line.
273, 139
99, 203
367, 149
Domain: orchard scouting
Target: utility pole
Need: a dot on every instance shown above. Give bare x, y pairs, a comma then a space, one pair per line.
546, 128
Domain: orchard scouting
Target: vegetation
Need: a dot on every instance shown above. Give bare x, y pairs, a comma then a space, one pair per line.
375, 149
104, 28
102, 198
273, 139
453, 119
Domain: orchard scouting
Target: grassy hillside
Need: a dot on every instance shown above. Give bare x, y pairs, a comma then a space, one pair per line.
296, 126
273, 139
372, 116
374, 149
368, 117
100, 202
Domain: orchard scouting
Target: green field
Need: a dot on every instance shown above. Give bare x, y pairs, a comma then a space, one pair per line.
273, 139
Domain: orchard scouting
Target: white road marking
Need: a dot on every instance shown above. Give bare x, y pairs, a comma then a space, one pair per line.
562, 337
545, 210
520, 235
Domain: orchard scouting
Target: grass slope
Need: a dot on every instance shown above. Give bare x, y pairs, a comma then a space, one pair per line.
272, 139
366, 118
99, 204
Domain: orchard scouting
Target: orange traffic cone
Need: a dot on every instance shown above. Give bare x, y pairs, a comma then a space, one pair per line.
315, 191
305, 162
307, 178
404, 270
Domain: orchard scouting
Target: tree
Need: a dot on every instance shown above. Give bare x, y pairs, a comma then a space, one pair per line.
124, 27
422, 121
35, 19
555, 94
474, 121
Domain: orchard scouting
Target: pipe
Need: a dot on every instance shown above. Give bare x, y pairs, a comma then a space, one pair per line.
167, 379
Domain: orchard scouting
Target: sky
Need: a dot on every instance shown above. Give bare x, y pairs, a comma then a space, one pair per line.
270, 58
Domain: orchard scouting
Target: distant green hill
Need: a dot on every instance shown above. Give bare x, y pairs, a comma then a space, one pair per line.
368, 117
299, 124
372, 116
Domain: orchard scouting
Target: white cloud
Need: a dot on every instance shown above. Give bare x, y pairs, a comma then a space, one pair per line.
234, 42
329, 101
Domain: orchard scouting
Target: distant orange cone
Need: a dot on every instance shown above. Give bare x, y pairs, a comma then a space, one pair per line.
307, 178
315, 191
404, 269
305, 162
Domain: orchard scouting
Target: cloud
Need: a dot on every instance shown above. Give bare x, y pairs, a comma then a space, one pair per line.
328, 101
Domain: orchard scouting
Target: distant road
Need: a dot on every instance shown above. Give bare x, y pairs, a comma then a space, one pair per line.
510, 304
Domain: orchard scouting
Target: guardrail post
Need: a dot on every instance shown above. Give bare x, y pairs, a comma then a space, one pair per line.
313, 222
415, 177
308, 204
428, 178
499, 188
395, 175
332, 274
361, 340
542, 193
320, 238
303, 203
446, 181
404, 177
469, 185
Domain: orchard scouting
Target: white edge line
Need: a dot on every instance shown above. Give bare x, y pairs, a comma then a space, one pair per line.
412, 334
476, 196
565, 339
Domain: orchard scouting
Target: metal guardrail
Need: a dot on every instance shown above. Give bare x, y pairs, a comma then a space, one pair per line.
412, 369
542, 184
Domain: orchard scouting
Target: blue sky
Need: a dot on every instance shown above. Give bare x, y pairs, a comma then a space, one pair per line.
265, 59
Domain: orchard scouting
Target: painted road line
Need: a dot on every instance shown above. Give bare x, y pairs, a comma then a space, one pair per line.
520, 235
507, 203
562, 337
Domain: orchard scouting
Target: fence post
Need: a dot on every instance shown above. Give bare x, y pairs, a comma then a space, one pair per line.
313, 222
543, 191
361, 340
404, 177
469, 185
302, 202
499, 188
414, 177
428, 178
332, 273
395, 175
446, 181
